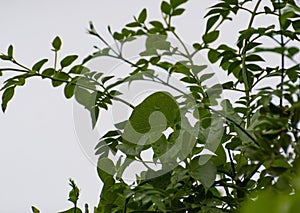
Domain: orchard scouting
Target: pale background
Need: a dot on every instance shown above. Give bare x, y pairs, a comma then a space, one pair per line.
39, 147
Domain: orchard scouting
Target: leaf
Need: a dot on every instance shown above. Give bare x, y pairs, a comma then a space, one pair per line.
178, 12
82, 96
210, 37
213, 56
7, 96
10, 51
143, 16
254, 57
176, 3
56, 44
35, 210
37, 66
74, 193
206, 173
211, 22
49, 72
69, 90
106, 165
68, 60
94, 111
206, 76
166, 8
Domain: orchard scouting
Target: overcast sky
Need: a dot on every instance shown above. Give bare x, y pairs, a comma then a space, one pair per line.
40, 149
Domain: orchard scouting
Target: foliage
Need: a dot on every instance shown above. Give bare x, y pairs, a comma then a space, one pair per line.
254, 138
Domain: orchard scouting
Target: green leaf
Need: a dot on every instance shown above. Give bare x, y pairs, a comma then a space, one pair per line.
68, 60
35, 210
69, 90
49, 72
296, 25
151, 117
143, 16
7, 96
166, 8
82, 96
211, 22
94, 113
206, 173
178, 12
213, 56
10, 51
74, 193
157, 24
176, 3
106, 165
210, 37
5, 57
56, 44
206, 76
254, 57
37, 66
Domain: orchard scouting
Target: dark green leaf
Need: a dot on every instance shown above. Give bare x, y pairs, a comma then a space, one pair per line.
49, 72
178, 12
166, 8
5, 57
210, 37
69, 90
7, 96
35, 210
157, 24
107, 78
254, 57
143, 16
213, 56
68, 60
56, 44
133, 24
296, 25
10, 51
211, 22
37, 66
79, 69
94, 111
176, 3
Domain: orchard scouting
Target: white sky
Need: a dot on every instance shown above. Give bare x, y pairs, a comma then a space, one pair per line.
39, 147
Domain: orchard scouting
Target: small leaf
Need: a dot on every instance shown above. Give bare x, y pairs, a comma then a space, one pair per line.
49, 72
178, 12
206, 76
166, 8
69, 90
210, 37
176, 3
107, 78
5, 57
143, 16
7, 96
68, 60
35, 210
254, 57
56, 44
37, 66
213, 56
211, 21
10, 51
